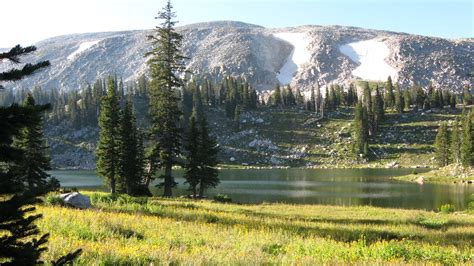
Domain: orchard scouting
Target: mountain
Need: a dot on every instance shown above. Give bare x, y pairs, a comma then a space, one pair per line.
300, 56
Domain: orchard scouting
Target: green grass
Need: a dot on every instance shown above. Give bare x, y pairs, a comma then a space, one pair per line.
139, 231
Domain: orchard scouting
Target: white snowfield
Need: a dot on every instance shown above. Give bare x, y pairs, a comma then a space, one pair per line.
82, 47
297, 58
370, 54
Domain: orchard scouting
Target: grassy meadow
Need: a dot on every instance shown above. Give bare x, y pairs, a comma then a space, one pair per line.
139, 231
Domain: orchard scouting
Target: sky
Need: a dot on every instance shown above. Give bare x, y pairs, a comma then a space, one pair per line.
28, 21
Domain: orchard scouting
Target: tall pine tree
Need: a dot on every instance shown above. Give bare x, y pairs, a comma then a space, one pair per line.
467, 141
361, 131
456, 143
108, 146
208, 150
130, 175
442, 145
166, 63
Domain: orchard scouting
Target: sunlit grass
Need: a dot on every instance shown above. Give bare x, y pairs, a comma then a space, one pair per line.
164, 231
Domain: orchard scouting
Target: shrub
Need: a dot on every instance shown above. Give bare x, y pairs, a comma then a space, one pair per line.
432, 223
97, 198
54, 200
447, 208
222, 198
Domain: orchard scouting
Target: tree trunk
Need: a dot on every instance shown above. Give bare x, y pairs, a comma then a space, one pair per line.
168, 181
112, 185
201, 190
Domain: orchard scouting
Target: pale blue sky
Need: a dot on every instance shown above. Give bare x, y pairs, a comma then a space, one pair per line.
448, 18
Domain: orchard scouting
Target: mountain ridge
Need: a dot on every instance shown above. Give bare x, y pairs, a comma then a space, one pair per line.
221, 48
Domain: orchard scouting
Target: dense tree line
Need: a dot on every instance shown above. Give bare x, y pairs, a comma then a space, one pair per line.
374, 103
456, 146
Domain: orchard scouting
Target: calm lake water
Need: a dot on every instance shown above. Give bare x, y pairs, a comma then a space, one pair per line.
311, 186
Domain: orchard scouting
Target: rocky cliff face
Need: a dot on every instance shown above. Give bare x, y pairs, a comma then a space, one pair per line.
253, 52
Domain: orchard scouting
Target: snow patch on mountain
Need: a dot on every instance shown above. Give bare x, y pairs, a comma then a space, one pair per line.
299, 56
371, 55
82, 47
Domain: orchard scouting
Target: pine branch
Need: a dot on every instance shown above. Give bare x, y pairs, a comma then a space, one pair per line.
67, 259
15, 53
18, 74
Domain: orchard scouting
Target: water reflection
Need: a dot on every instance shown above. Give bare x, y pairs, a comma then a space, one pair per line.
312, 186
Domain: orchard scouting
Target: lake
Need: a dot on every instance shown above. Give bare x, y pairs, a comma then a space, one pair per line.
310, 186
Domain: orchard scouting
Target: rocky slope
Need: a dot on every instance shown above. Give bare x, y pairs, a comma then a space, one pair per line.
255, 53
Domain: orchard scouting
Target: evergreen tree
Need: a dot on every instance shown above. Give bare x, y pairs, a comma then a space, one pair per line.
442, 146
19, 244
420, 97
407, 99
466, 96
192, 145
107, 148
277, 96
30, 141
399, 103
456, 143
130, 169
298, 96
312, 106
389, 94
253, 98
378, 110
237, 117
467, 141
208, 150
361, 133
289, 97
166, 63
452, 101
197, 103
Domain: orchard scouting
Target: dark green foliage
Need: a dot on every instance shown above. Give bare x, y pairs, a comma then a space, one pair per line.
22, 176
276, 96
367, 103
378, 110
351, 96
34, 163
399, 101
407, 99
14, 56
299, 97
201, 154
289, 97
452, 101
108, 146
208, 152
222, 198
131, 164
166, 63
455, 143
442, 146
192, 154
237, 117
389, 94
361, 131
467, 140
420, 97
466, 96
20, 246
